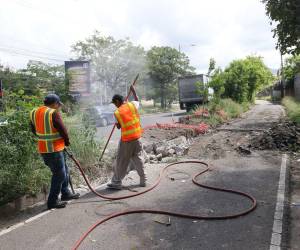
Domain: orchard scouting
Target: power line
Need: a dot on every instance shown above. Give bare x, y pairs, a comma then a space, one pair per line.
32, 51
28, 54
29, 5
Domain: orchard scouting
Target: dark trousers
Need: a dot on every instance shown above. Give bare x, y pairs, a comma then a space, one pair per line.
60, 175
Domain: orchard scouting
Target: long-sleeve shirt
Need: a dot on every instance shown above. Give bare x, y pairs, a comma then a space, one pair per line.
59, 125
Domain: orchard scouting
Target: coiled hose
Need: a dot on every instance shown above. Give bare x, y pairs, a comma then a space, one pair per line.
161, 174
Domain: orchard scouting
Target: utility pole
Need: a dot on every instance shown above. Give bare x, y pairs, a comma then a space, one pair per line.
1, 97
282, 76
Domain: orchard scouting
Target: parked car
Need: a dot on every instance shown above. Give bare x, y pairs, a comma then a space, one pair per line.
101, 116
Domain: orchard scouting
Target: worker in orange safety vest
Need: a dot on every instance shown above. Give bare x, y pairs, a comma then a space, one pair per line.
130, 148
47, 125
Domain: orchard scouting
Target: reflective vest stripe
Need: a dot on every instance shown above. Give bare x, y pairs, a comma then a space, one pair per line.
48, 137
134, 112
127, 124
118, 116
32, 116
132, 131
47, 130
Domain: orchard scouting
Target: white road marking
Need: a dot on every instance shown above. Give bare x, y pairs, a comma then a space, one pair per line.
31, 219
278, 216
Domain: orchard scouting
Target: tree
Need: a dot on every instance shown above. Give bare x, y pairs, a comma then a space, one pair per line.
217, 82
291, 68
114, 63
165, 65
285, 14
211, 67
203, 87
49, 78
15, 81
36, 78
241, 79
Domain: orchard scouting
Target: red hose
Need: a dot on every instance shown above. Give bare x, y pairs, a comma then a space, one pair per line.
134, 211
184, 215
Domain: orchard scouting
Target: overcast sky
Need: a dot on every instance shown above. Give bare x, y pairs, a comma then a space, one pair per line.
224, 30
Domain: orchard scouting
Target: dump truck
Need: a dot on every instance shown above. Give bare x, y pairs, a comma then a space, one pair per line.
189, 94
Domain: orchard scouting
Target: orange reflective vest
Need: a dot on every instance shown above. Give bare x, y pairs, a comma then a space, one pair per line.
129, 120
49, 140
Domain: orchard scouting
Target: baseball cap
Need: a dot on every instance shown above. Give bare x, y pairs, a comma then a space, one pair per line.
117, 97
51, 99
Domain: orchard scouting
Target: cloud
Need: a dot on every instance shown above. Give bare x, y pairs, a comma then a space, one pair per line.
225, 30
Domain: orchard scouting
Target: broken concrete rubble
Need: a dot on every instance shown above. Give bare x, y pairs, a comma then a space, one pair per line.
157, 151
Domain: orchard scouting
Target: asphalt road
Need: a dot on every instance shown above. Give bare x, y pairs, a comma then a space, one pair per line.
103, 132
257, 174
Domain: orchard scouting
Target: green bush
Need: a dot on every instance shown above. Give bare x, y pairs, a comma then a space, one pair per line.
22, 170
292, 108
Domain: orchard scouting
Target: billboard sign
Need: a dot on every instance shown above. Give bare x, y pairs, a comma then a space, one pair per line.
78, 76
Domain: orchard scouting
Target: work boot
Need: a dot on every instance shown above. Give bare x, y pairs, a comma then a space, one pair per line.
70, 197
114, 186
143, 182
57, 204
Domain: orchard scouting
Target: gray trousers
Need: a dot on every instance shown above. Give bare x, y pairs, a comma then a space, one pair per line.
128, 152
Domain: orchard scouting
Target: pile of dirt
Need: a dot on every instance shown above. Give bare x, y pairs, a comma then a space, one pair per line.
284, 136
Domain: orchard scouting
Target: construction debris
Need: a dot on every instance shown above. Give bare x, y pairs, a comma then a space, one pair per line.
166, 150
284, 136
166, 221
200, 128
243, 150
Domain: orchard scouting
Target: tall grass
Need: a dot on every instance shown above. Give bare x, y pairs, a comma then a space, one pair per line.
233, 109
84, 143
292, 108
220, 111
87, 148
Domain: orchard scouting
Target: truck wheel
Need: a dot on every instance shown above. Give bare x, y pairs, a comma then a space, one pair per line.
181, 106
189, 108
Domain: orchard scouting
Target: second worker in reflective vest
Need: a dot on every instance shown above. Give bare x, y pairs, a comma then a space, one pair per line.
130, 148
47, 125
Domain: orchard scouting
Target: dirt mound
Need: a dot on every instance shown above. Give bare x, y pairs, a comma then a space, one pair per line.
283, 136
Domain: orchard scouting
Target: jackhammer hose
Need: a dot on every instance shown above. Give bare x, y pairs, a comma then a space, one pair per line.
152, 211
